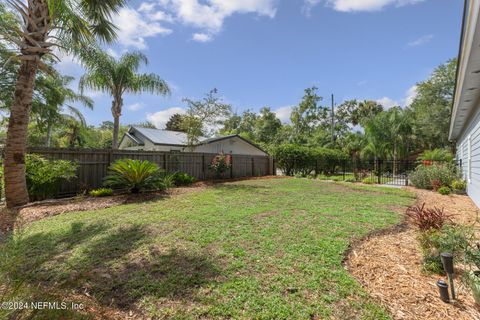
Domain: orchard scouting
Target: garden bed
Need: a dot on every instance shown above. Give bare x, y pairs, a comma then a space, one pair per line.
389, 267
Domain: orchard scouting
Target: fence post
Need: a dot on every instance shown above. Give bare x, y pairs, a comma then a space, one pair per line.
231, 166
203, 166
253, 167
379, 171
165, 162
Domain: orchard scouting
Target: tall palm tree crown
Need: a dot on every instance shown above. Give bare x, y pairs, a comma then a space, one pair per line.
116, 77
35, 28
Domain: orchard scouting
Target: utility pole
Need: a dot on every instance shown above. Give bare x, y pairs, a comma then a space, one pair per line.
333, 120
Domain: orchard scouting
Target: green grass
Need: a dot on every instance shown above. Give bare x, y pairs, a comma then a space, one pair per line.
263, 249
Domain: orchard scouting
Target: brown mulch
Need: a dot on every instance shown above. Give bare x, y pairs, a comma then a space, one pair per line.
389, 267
40, 210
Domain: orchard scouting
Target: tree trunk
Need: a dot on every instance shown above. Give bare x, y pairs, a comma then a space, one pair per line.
48, 141
14, 164
116, 113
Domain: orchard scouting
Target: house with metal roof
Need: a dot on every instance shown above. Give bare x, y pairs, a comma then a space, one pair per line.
465, 118
138, 138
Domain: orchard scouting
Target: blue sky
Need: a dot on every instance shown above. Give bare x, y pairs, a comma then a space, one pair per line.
265, 52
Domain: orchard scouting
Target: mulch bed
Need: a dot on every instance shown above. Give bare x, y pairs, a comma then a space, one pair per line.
389, 267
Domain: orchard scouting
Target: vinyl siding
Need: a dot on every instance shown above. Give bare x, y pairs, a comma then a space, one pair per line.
468, 152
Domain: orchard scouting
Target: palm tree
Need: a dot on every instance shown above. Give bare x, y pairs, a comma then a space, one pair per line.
56, 98
38, 27
116, 77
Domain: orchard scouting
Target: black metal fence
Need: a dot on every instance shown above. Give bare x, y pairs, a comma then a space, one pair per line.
385, 172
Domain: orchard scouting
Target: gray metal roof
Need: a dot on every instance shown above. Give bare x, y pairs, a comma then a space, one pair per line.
160, 136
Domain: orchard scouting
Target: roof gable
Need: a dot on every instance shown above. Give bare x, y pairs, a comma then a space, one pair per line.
157, 136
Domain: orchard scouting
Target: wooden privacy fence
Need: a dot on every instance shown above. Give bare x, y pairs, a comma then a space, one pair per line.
93, 165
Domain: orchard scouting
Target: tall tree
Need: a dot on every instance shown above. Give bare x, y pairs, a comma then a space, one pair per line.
209, 111
357, 112
267, 126
57, 98
117, 77
307, 116
174, 123
41, 25
432, 106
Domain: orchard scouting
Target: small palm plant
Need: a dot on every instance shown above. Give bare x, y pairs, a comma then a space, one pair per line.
136, 175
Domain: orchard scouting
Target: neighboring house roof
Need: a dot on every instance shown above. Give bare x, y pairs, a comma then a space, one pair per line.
174, 138
210, 140
467, 89
165, 137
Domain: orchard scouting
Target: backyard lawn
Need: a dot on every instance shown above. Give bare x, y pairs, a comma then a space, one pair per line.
267, 248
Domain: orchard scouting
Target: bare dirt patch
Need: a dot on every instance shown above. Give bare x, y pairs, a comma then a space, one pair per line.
389, 267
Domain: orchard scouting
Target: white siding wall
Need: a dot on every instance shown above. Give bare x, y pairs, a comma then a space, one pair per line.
232, 145
468, 151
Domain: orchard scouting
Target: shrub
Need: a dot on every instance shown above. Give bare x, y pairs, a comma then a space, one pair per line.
444, 191
135, 175
102, 192
436, 184
45, 176
182, 179
424, 177
426, 219
294, 159
166, 182
459, 185
220, 164
351, 180
370, 180
450, 238
436, 155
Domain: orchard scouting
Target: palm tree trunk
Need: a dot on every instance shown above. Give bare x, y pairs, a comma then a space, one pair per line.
116, 113
16, 193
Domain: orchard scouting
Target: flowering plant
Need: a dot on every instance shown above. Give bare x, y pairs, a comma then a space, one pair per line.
221, 163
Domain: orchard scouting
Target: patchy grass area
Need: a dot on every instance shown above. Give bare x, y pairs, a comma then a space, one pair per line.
264, 249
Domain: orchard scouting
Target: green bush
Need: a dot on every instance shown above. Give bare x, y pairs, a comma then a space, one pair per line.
294, 159
459, 185
436, 155
166, 182
135, 175
425, 176
183, 179
45, 176
102, 192
450, 238
444, 191
370, 180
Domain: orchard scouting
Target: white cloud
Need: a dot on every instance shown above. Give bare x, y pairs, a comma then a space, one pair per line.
135, 25
421, 41
358, 5
410, 96
160, 118
387, 103
201, 37
283, 113
136, 106
207, 16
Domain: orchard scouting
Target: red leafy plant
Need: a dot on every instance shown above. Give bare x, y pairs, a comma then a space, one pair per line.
426, 219
436, 184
